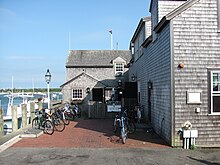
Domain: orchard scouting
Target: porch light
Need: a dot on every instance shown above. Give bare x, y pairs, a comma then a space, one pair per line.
133, 77
149, 84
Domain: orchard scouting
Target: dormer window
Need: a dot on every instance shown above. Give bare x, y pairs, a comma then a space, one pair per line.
119, 69
119, 64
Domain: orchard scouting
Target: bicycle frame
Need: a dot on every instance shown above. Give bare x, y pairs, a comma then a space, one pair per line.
123, 130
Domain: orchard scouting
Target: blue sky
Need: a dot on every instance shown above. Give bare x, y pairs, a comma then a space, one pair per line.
34, 35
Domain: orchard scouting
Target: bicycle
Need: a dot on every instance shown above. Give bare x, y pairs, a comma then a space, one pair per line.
56, 121
124, 130
69, 114
41, 121
124, 124
59, 113
129, 123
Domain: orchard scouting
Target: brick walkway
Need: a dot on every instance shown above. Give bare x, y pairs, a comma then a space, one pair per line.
92, 133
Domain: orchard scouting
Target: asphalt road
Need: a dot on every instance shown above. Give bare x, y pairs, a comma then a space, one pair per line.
108, 156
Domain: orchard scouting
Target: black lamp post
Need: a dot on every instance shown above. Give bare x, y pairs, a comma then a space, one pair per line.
48, 79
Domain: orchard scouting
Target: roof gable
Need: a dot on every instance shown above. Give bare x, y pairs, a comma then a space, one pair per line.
100, 84
119, 60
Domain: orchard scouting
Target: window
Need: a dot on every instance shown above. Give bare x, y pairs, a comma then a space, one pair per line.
77, 94
108, 94
119, 68
215, 92
218, 14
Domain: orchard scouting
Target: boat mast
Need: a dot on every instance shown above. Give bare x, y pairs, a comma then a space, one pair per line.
12, 91
33, 86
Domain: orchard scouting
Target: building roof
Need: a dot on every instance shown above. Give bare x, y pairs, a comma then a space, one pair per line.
141, 23
95, 58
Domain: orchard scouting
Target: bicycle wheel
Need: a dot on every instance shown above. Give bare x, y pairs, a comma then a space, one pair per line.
131, 127
58, 124
66, 121
48, 127
35, 123
116, 126
123, 136
79, 113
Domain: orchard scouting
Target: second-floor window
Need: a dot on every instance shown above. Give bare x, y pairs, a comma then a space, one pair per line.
215, 92
119, 68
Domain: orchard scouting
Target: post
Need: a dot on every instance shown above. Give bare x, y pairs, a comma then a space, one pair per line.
32, 113
110, 31
89, 114
24, 115
1, 123
48, 79
48, 93
111, 42
40, 105
14, 119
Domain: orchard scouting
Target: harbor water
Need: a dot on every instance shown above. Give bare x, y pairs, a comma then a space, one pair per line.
18, 100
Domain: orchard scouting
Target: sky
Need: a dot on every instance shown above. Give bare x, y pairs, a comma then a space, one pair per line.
36, 35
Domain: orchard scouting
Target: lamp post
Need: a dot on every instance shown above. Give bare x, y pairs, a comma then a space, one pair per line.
48, 78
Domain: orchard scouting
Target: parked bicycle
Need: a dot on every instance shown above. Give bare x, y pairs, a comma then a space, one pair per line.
123, 125
128, 121
75, 108
60, 113
59, 124
124, 129
42, 122
71, 111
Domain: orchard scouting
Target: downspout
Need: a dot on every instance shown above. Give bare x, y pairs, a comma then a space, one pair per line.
172, 85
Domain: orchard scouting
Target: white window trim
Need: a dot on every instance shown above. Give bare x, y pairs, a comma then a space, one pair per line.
123, 66
213, 93
77, 98
218, 15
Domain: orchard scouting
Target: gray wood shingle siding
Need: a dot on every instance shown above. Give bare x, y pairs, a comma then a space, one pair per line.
155, 65
93, 69
197, 45
184, 32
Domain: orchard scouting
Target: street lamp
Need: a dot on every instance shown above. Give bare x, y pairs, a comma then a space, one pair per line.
48, 78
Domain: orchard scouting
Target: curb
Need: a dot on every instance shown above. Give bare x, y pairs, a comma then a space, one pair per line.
30, 133
9, 143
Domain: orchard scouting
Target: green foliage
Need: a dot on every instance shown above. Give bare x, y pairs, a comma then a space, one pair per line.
43, 90
193, 147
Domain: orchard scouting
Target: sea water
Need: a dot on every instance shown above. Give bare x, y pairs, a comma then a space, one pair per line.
18, 100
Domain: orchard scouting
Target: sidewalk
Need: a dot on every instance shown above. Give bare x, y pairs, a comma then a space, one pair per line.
12, 138
93, 133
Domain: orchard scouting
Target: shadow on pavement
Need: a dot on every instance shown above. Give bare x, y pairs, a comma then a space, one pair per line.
204, 161
105, 126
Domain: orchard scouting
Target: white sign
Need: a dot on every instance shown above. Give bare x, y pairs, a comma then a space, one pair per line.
114, 108
194, 97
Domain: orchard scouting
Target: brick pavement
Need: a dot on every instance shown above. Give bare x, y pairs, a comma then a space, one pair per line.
92, 133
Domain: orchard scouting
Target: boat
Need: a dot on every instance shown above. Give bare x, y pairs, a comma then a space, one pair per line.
26, 99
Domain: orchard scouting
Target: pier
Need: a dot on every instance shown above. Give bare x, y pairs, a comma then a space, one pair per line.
21, 117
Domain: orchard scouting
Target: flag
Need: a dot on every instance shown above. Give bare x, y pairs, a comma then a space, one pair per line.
110, 31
